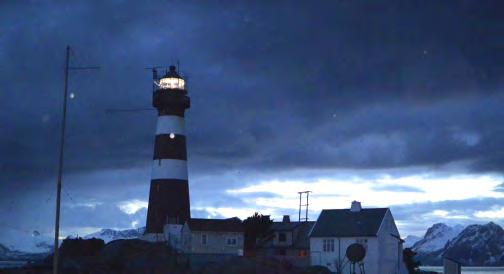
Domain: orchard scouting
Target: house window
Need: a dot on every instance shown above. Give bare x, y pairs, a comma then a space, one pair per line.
328, 245
282, 237
231, 241
302, 253
204, 239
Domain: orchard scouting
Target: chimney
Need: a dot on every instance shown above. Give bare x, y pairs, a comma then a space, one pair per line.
356, 207
286, 219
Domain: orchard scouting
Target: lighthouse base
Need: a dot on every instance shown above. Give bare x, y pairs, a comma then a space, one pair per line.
168, 204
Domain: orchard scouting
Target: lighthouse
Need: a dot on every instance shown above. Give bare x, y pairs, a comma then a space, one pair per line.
169, 189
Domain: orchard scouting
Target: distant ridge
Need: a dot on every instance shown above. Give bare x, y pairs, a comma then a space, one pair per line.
410, 240
109, 235
476, 245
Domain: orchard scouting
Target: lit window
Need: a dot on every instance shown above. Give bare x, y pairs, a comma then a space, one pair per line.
328, 245
171, 83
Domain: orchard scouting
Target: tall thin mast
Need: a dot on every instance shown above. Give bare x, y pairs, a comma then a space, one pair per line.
61, 156
60, 166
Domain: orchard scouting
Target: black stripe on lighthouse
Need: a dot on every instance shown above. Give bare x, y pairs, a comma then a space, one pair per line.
170, 146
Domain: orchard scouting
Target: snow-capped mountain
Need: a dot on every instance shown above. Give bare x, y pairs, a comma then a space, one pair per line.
5, 253
478, 245
411, 240
3, 250
26, 241
109, 235
11, 255
35, 242
436, 238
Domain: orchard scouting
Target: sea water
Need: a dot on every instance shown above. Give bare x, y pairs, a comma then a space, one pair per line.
469, 270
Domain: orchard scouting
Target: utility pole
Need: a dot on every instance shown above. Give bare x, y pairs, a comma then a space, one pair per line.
301, 205
61, 156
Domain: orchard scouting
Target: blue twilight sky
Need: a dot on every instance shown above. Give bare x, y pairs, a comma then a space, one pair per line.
393, 103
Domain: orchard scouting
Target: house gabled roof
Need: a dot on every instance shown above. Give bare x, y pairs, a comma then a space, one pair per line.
345, 223
216, 225
301, 240
284, 226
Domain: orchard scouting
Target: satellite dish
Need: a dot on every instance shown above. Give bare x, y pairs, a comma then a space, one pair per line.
355, 253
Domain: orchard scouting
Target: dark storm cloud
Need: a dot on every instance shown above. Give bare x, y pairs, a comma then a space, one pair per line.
274, 86
260, 80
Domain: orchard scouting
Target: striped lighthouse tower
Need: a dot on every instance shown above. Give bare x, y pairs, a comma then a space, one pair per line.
169, 189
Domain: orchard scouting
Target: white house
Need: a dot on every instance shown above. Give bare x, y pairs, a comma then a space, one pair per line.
374, 228
213, 236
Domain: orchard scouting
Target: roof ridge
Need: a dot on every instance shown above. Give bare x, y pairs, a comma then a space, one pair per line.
224, 219
364, 208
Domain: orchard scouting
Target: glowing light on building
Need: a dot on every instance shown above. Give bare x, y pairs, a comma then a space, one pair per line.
171, 83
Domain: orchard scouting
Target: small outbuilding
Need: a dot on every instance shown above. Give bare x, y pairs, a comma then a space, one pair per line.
451, 266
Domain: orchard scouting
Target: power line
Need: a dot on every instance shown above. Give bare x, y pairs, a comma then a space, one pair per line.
115, 110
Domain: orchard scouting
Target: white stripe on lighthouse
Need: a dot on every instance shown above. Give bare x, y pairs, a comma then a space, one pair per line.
167, 124
169, 169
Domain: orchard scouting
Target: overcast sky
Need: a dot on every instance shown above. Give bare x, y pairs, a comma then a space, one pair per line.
395, 104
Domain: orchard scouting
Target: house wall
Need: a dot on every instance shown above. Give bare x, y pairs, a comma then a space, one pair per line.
216, 242
390, 255
331, 259
288, 238
173, 235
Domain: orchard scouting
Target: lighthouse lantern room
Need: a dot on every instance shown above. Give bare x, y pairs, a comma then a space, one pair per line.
171, 80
